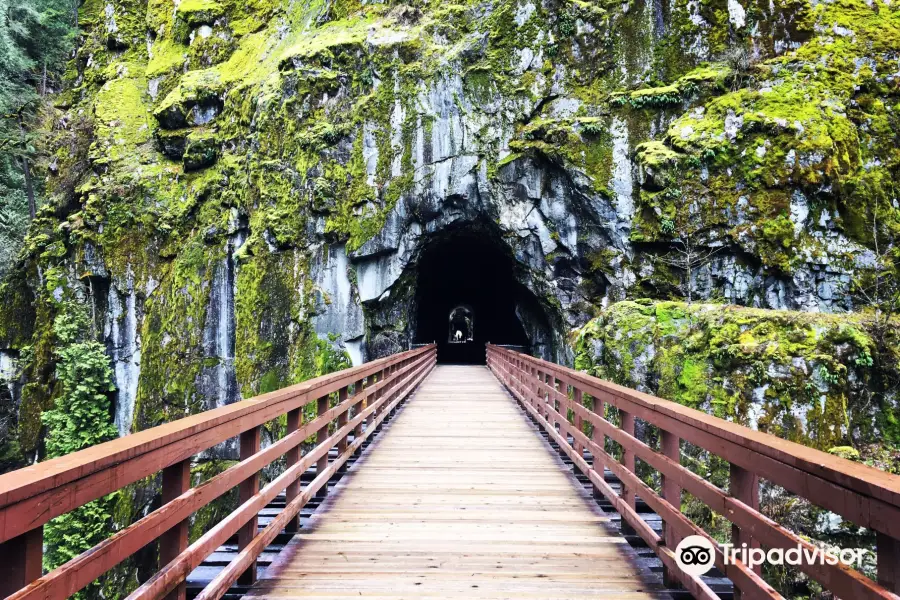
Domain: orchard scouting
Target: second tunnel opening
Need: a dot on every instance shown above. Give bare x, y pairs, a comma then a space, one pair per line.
467, 295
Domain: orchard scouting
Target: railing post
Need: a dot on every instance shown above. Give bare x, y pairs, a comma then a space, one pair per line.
360, 406
554, 397
290, 458
342, 422
545, 377
577, 399
250, 443
627, 425
377, 379
371, 380
522, 379
744, 486
321, 436
670, 445
888, 550
597, 407
176, 480
20, 561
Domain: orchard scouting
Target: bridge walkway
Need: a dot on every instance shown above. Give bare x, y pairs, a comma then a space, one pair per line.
458, 497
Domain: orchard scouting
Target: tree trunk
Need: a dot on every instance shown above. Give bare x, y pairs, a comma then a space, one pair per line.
29, 188
44, 81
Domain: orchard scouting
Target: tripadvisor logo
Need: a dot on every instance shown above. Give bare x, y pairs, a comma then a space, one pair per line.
696, 555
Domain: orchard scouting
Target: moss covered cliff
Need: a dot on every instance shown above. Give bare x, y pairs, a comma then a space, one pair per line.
804, 377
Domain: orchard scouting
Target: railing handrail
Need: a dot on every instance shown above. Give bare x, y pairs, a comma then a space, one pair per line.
27, 482
34, 496
861, 478
543, 389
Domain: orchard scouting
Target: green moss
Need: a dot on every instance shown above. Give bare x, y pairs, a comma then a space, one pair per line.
122, 118
171, 334
166, 56
198, 12
786, 373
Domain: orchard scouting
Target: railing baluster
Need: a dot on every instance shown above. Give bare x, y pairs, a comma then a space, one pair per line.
888, 550
597, 407
176, 480
321, 436
579, 422
627, 425
744, 486
360, 406
377, 379
250, 443
20, 560
342, 420
671, 492
290, 458
545, 394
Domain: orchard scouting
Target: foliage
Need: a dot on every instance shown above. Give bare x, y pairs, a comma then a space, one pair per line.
80, 418
327, 359
35, 36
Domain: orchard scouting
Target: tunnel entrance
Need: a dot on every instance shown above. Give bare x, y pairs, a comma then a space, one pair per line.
466, 296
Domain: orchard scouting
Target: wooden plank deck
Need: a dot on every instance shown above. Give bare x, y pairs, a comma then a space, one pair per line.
458, 497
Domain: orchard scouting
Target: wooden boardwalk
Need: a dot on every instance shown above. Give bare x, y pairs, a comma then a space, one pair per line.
458, 497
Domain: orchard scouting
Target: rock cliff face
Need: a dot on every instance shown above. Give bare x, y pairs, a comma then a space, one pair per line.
243, 186
245, 191
809, 378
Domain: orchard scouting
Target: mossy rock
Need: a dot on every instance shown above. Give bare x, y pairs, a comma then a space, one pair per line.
191, 14
172, 143
200, 152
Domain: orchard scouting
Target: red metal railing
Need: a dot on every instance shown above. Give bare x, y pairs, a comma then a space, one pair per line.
865, 496
31, 497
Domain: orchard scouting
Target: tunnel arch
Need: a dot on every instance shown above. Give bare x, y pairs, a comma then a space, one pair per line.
469, 268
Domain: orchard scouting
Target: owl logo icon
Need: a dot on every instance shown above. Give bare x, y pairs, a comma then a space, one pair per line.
695, 555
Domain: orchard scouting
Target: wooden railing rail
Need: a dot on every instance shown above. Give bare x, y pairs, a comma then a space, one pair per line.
865, 496
31, 497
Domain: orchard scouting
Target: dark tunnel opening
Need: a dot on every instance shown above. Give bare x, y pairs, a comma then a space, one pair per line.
466, 296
